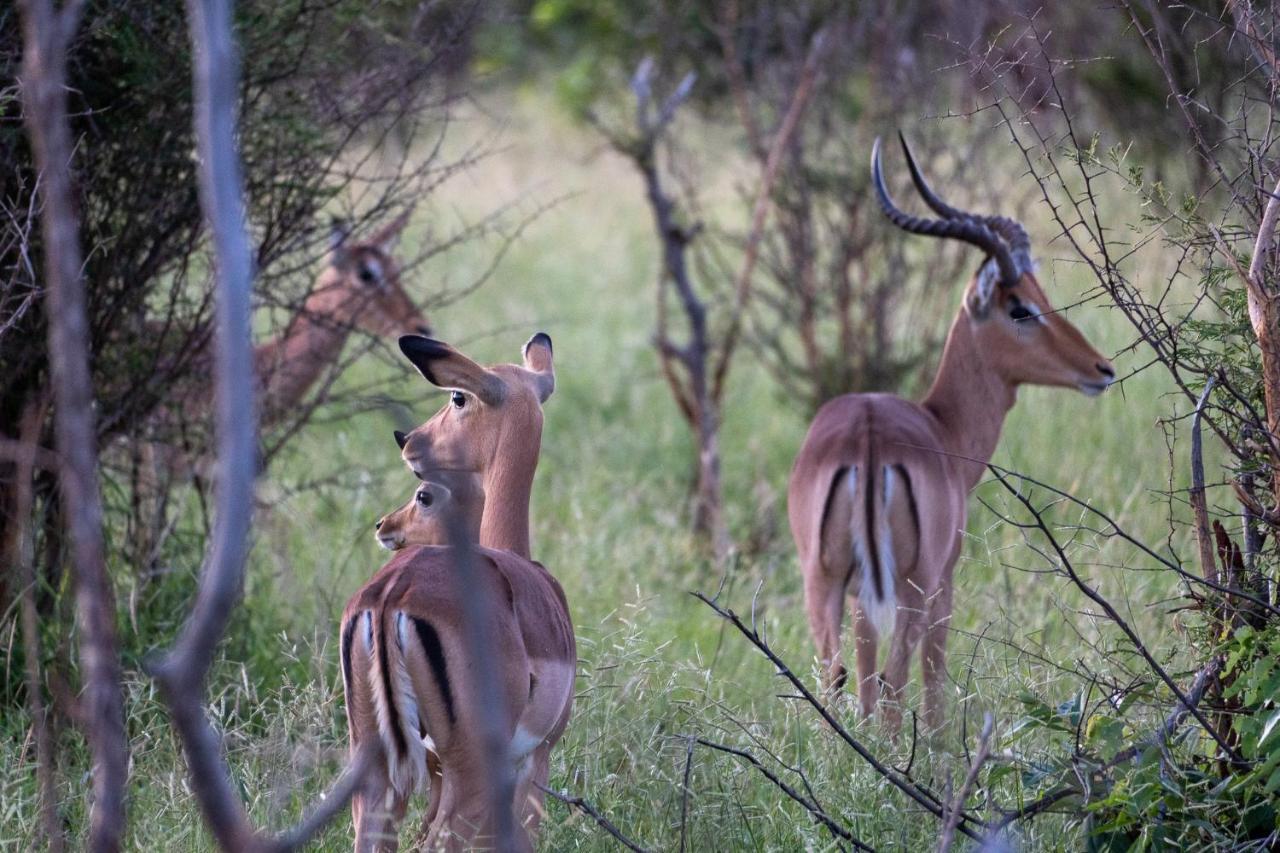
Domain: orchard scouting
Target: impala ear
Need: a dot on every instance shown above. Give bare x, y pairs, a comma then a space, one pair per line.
339, 231
984, 289
401, 438
538, 359
386, 238
445, 367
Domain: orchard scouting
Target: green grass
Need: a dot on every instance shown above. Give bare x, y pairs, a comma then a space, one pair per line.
609, 520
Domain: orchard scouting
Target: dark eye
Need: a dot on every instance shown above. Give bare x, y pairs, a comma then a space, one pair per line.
458, 399
1020, 312
366, 275
425, 498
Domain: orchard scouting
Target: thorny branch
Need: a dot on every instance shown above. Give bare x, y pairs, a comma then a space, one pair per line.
1064, 561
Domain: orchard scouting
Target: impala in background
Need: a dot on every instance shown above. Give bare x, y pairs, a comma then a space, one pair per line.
877, 495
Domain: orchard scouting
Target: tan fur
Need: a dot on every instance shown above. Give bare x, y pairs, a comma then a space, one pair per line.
934, 452
534, 649
422, 519
339, 301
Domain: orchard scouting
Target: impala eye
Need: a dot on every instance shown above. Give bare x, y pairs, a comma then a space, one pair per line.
425, 498
1020, 312
458, 399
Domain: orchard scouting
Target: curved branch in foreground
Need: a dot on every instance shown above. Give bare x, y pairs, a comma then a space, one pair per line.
46, 34
181, 673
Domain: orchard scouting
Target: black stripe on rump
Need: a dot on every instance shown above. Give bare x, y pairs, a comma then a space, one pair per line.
836, 482
393, 716
873, 552
435, 656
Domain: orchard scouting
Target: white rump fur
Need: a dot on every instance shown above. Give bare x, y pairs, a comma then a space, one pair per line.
406, 775
882, 612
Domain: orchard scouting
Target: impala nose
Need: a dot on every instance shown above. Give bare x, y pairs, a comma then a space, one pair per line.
378, 524
1106, 369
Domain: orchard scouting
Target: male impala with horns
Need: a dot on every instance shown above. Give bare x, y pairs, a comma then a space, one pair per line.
877, 496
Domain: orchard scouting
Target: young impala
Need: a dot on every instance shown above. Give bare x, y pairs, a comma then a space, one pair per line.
878, 491
406, 670
423, 519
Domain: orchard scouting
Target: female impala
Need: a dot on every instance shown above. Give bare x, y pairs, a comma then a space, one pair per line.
877, 494
358, 288
406, 670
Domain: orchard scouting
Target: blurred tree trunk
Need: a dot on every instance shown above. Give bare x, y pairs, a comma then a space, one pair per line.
44, 93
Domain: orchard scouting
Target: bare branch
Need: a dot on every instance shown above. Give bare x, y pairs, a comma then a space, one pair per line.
979, 758
1208, 566
926, 799
16, 555
590, 810
44, 92
814, 810
764, 195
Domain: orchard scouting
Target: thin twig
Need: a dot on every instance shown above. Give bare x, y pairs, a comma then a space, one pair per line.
912, 789
809, 805
590, 810
975, 764
1114, 615
1208, 565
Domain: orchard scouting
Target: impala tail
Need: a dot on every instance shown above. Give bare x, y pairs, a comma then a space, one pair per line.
871, 490
407, 693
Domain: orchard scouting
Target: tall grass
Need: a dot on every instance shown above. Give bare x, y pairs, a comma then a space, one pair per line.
609, 521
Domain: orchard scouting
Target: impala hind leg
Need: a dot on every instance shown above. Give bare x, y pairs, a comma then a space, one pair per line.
377, 813
529, 796
824, 600
907, 633
933, 656
864, 634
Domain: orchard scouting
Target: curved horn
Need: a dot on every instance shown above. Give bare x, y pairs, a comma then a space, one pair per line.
1010, 230
966, 229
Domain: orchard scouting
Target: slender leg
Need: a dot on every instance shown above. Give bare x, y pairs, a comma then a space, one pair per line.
824, 600
934, 654
529, 796
377, 812
906, 636
865, 658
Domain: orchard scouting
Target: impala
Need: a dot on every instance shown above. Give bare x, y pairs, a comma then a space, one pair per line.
877, 495
423, 519
358, 288
406, 670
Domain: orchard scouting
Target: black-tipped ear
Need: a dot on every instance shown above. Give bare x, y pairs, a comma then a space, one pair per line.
540, 338
422, 351
401, 439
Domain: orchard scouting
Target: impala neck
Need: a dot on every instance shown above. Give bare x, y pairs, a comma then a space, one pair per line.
969, 401
290, 364
504, 524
